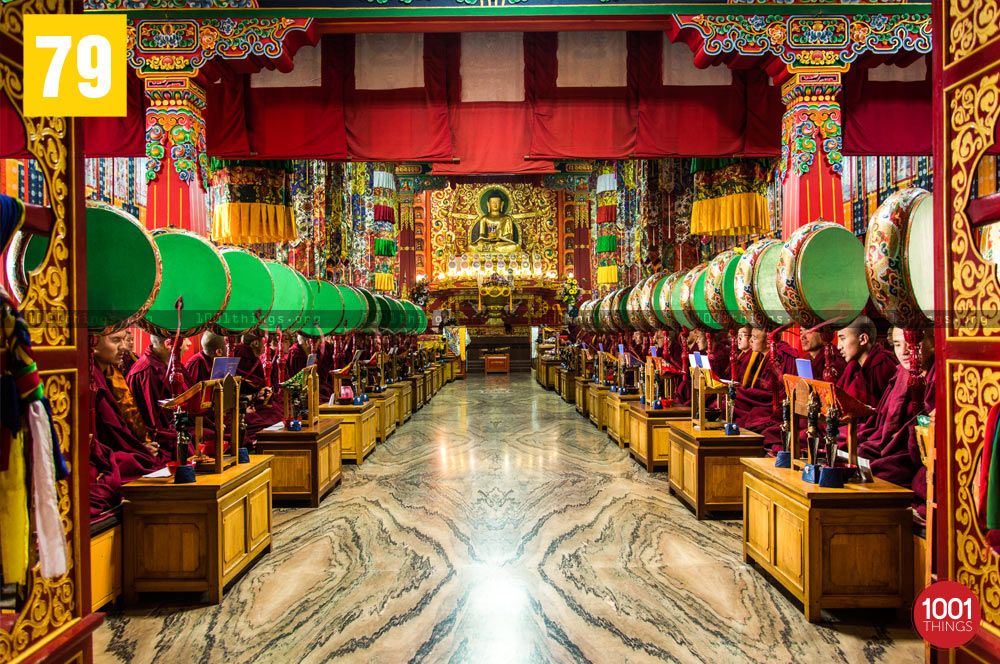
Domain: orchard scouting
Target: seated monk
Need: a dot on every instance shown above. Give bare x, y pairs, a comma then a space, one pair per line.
121, 449
758, 399
265, 408
199, 367
128, 357
745, 358
324, 365
870, 366
718, 360
150, 385
889, 440
812, 343
298, 355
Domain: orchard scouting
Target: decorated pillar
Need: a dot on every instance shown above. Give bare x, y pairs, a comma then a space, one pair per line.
382, 228
406, 239
581, 237
811, 143
606, 249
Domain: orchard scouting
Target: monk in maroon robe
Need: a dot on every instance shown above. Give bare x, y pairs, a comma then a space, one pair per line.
718, 360
199, 367
870, 366
324, 365
758, 403
297, 356
259, 416
150, 385
812, 343
121, 450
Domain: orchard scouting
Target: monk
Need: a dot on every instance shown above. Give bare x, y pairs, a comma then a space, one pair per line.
758, 402
870, 366
745, 357
718, 359
889, 440
121, 448
298, 354
259, 416
812, 343
128, 357
150, 385
199, 367
324, 365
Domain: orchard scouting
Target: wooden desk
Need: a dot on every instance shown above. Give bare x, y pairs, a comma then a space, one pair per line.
598, 397
705, 468
196, 537
438, 375
404, 400
496, 363
831, 548
582, 386
105, 566
306, 463
616, 411
449, 370
567, 384
649, 437
457, 368
417, 382
546, 372
357, 429
428, 385
387, 405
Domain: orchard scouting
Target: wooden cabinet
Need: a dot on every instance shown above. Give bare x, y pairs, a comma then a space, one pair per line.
597, 395
649, 432
582, 386
386, 406
105, 566
496, 363
417, 383
705, 468
436, 375
306, 464
617, 407
831, 548
546, 372
196, 537
358, 426
404, 400
449, 370
567, 385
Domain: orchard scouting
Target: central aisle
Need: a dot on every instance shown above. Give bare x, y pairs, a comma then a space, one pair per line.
498, 525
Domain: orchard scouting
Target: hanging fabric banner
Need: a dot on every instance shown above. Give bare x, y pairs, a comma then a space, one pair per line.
251, 202
730, 197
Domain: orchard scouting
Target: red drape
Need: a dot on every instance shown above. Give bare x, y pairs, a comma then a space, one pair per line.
11, 131
119, 137
886, 117
572, 122
226, 117
488, 137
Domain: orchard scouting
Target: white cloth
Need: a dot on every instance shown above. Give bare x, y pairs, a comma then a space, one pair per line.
606, 182
48, 524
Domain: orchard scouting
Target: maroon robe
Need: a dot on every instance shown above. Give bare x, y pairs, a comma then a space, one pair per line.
251, 371
250, 368
297, 358
756, 408
718, 360
116, 455
128, 362
199, 367
868, 382
149, 384
819, 364
324, 366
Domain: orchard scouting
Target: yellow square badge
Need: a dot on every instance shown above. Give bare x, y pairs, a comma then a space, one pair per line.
74, 65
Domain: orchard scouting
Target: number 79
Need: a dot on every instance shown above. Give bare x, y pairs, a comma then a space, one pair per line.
93, 62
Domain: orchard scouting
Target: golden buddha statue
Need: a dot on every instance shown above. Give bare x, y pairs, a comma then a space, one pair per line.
494, 231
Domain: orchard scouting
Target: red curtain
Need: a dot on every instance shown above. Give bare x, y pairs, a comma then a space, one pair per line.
886, 117
11, 131
488, 137
396, 125
574, 122
226, 117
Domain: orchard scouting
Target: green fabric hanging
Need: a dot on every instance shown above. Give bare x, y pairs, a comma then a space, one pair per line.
993, 492
385, 247
606, 243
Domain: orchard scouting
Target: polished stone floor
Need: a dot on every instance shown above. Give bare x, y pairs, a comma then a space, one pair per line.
498, 525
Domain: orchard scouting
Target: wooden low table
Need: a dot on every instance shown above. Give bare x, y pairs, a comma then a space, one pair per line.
428, 385
357, 429
457, 368
649, 432
449, 371
404, 400
438, 375
496, 363
546, 373
831, 548
705, 468
306, 463
387, 405
617, 407
567, 385
196, 537
582, 386
417, 382
598, 396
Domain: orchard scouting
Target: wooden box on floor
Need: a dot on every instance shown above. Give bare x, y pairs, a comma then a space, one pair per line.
387, 405
705, 468
196, 537
598, 396
567, 385
404, 400
582, 386
496, 363
438, 375
831, 548
449, 370
306, 464
105, 564
649, 432
617, 407
417, 383
358, 426
457, 368
428, 385
546, 373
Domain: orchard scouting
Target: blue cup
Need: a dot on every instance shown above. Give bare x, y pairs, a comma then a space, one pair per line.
642, 399
365, 398
731, 429
831, 478
358, 401
811, 473
243, 455
184, 475
783, 460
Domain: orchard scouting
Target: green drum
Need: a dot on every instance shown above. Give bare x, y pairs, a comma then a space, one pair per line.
412, 317
289, 298
306, 320
397, 315
645, 288
693, 300
385, 313
720, 290
662, 308
755, 285
620, 309
253, 291
24, 256
422, 324
584, 318
677, 303
374, 317
328, 308
821, 275
633, 308
899, 258
355, 310
193, 269
605, 315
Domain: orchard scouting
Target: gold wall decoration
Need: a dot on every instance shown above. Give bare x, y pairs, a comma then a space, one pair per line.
971, 25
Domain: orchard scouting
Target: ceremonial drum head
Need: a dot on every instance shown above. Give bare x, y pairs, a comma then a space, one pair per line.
25, 255
605, 316
252, 289
820, 274
397, 315
355, 309
124, 268
693, 298
422, 325
635, 318
289, 298
385, 313
328, 308
620, 311
193, 268
677, 302
645, 289
720, 290
414, 316
374, 317
899, 258
585, 319
306, 320
662, 306
755, 285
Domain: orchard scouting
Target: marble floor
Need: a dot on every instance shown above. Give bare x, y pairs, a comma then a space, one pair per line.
498, 525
